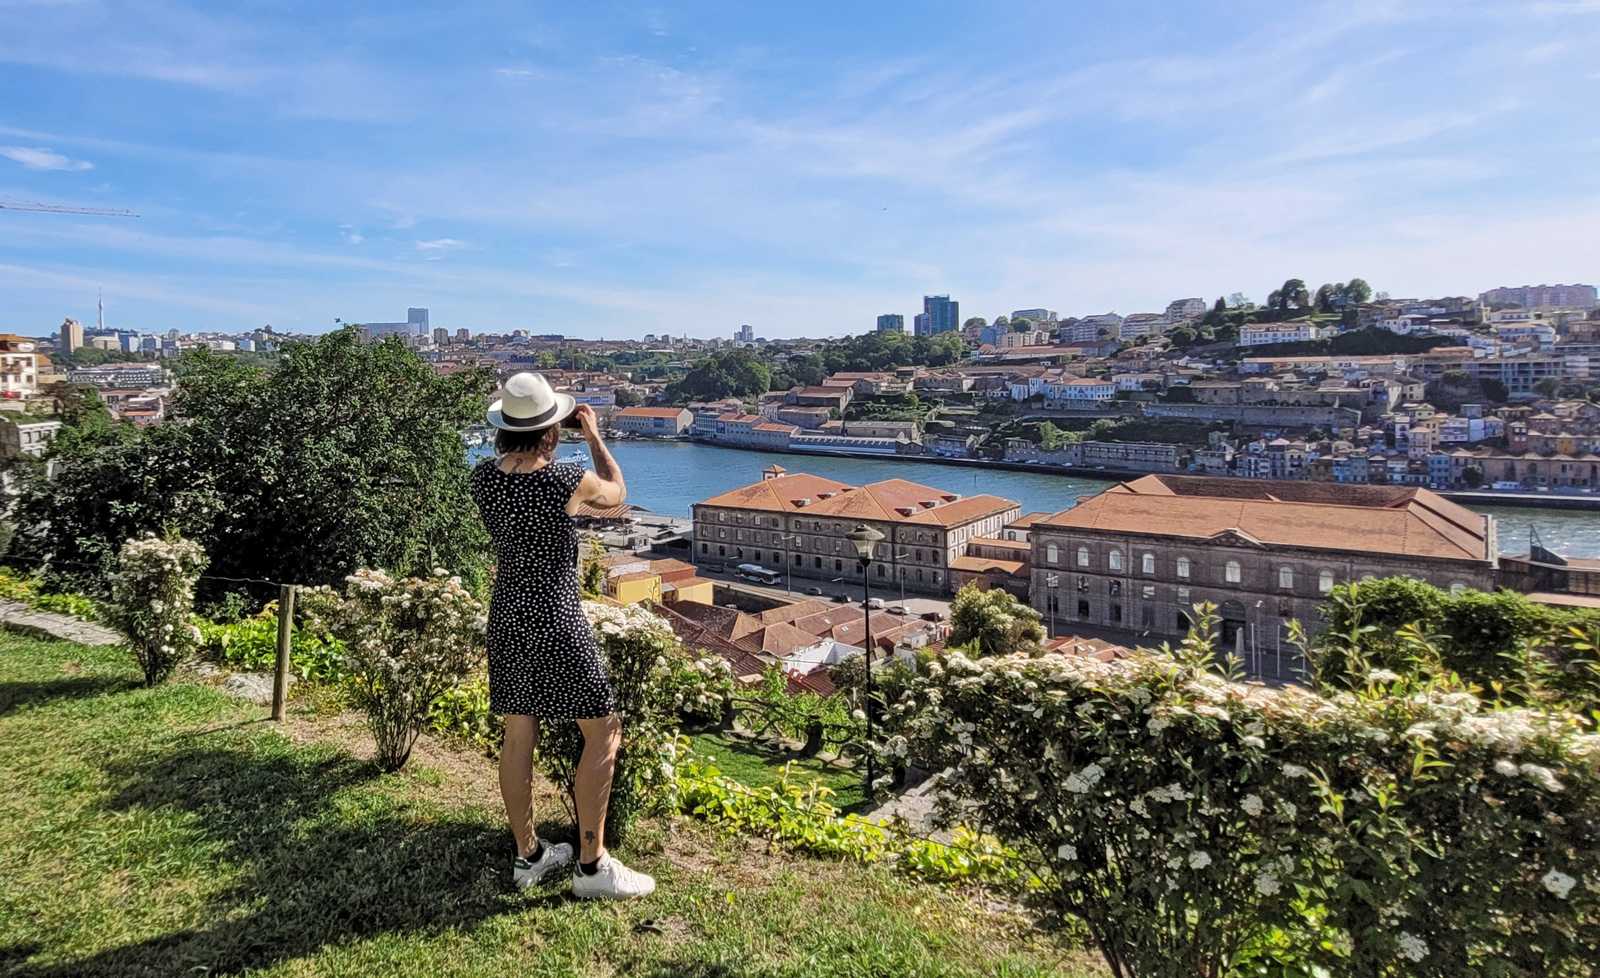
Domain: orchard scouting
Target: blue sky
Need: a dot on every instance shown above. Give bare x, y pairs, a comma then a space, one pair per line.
611, 170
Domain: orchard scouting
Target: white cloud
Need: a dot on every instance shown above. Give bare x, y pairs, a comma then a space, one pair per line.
441, 244
515, 72
37, 158
351, 235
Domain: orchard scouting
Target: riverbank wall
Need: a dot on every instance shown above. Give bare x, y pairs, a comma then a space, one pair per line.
1527, 500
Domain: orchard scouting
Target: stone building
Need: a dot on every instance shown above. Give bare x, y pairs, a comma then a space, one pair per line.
1138, 557
797, 524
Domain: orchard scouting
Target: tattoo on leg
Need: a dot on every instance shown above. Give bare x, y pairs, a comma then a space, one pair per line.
588, 836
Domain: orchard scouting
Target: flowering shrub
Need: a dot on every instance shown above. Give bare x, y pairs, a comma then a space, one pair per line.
638, 648
152, 596
407, 642
697, 685
1199, 826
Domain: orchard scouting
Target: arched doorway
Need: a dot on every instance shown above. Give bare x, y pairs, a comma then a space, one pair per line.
1232, 617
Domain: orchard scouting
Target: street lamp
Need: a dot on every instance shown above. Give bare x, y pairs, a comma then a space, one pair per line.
865, 539
788, 565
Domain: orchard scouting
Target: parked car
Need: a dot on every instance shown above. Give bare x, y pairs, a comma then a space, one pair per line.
898, 609
876, 604
814, 591
841, 599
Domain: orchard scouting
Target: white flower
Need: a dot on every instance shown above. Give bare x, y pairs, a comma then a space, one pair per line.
1251, 740
1267, 884
1505, 767
1295, 771
1067, 853
1412, 947
1199, 859
1541, 776
1382, 676
1158, 724
1558, 883
1251, 804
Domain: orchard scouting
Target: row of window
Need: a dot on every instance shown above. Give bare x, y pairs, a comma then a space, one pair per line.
1232, 572
817, 563
815, 526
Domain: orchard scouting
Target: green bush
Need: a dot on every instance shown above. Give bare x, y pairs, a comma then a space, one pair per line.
1501, 641
251, 645
798, 814
152, 599
463, 713
1199, 826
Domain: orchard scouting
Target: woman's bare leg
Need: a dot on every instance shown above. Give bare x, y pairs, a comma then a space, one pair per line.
516, 778
601, 738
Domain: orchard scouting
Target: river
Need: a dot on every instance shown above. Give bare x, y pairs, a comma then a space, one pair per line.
667, 477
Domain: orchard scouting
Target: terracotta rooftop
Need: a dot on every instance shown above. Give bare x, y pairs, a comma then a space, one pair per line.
983, 565
1022, 546
1395, 520
892, 500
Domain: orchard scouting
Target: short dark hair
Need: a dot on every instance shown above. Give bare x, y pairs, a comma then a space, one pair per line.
537, 440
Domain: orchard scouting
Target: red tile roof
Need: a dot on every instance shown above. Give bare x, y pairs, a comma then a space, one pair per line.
1373, 519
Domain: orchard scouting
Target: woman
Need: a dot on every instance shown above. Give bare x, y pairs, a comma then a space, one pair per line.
543, 660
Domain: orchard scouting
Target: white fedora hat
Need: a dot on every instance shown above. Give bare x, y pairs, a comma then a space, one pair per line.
527, 402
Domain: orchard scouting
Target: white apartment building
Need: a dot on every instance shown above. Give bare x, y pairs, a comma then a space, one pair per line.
19, 367
1540, 333
1268, 333
1036, 315
1143, 324
1080, 389
1183, 310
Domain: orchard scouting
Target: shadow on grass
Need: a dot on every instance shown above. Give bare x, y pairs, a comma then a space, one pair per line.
16, 696
321, 859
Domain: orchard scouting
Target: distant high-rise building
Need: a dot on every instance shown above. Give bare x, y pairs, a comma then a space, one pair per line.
71, 336
441, 336
920, 324
745, 334
943, 315
1542, 297
891, 322
1036, 315
415, 326
463, 335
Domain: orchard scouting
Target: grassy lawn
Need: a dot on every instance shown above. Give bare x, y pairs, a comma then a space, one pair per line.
758, 768
175, 832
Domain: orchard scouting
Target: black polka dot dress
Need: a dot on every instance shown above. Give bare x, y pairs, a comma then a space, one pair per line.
543, 660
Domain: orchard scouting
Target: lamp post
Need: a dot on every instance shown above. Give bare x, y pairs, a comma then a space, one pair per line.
865, 539
788, 565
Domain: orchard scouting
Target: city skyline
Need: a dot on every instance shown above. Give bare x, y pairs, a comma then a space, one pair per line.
685, 171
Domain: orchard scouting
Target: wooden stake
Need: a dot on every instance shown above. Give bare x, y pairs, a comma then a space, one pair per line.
280, 676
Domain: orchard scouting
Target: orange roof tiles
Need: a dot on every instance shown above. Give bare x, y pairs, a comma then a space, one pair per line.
1322, 516
983, 565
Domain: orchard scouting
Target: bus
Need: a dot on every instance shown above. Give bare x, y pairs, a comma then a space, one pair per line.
757, 574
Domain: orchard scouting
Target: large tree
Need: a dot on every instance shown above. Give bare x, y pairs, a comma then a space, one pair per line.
1293, 295
732, 373
346, 454
993, 622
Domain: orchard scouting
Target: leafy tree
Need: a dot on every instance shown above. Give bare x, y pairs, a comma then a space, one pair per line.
1548, 387
628, 397
732, 373
1495, 390
807, 370
993, 622
1220, 306
1325, 297
1292, 295
1472, 477
1357, 291
1021, 325
975, 322
347, 455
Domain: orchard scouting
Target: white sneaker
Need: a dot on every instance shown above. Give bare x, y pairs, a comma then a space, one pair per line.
527, 873
612, 881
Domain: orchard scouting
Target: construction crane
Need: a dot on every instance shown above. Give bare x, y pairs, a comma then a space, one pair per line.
23, 205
